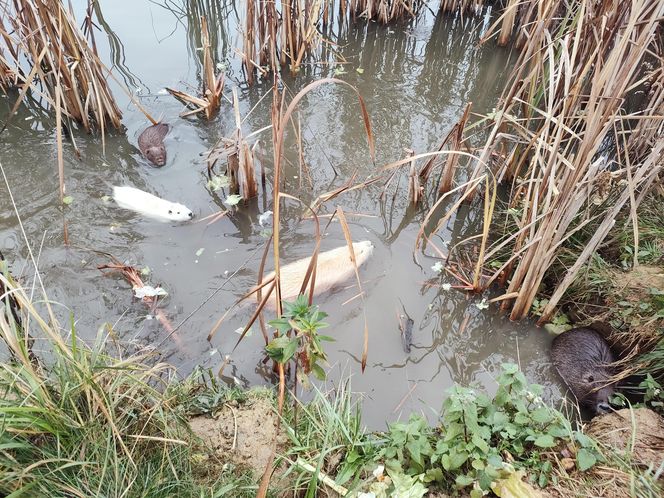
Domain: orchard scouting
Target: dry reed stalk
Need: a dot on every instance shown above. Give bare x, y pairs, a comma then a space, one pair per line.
8, 78
241, 169
568, 96
508, 21
472, 6
213, 86
239, 158
274, 37
46, 26
415, 189
385, 11
455, 135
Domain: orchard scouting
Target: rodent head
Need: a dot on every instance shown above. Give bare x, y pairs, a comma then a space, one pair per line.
156, 155
363, 251
597, 390
179, 212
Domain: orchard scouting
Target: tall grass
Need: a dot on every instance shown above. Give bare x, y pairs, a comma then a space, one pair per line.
79, 421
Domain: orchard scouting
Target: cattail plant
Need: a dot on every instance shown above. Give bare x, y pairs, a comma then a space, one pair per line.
275, 37
385, 11
213, 85
568, 97
59, 57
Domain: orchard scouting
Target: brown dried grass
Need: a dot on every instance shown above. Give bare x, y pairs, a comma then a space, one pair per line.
568, 96
209, 101
45, 34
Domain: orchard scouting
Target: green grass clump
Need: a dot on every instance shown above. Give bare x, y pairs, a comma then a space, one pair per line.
82, 423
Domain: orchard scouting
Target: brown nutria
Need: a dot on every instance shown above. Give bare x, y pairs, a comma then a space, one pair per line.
151, 143
583, 359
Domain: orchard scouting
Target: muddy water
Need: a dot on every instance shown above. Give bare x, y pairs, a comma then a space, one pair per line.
416, 79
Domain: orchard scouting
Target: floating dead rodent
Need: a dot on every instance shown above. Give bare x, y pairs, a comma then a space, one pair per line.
333, 267
151, 143
583, 359
150, 205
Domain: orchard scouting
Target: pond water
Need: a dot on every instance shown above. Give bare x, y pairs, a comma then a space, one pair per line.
416, 78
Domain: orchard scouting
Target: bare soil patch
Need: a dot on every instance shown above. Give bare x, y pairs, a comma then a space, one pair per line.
239, 434
639, 433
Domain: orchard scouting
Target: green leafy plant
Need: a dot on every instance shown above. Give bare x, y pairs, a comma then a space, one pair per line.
298, 338
479, 437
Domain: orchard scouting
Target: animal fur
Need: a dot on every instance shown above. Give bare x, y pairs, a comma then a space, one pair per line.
151, 143
583, 359
332, 268
150, 205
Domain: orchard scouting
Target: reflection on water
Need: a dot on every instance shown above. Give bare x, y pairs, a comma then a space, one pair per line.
416, 78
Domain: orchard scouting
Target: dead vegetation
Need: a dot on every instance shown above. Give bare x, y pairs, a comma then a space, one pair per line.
239, 157
46, 51
550, 139
212, 89
278, 36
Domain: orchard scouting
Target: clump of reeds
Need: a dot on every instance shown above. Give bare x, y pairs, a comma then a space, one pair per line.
213, 86
278, 36
385, 11
568, 97
239, 158
472, 6
61, 64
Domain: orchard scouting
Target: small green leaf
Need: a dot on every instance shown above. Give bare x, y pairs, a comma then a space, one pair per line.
585, 459
359, 70
67, 200
318, 372
463, 480
545, 441
541, 415
200, 251
476, 493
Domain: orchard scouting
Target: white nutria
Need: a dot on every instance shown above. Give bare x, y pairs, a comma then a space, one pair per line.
333, 267
150, 205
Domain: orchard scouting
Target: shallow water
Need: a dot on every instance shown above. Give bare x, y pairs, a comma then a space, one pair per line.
415, 78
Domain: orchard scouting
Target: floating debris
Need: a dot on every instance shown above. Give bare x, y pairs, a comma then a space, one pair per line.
265, 218
149, 291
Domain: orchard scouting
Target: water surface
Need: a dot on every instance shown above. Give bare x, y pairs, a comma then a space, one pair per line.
416, 79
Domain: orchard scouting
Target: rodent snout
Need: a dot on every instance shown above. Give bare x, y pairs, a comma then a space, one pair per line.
603, 408
191, 215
